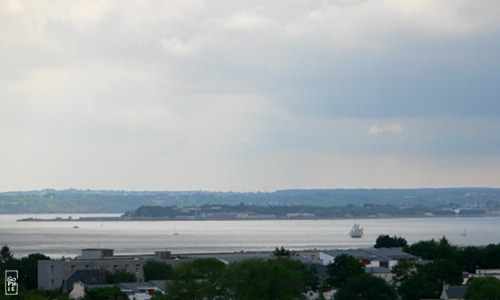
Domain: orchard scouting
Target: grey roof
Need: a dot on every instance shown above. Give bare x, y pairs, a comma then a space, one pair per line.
144, 287
456, 291
137, 287
357, 253
86, 277
394, 253
160, 284
381, 254
305, 259
101, 286
237, 257
378, 270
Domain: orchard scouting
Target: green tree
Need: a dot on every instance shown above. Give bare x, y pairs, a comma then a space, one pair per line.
470, 258
443, 271
28, 269
154, 270
433, 249
53, 294
257, 279
492, 255
110, 293
159, 296
281, 252
250, 279
119, 276
312, 281
7, 260
343, 267
386, 241
198, 279
403, 271
5, 254
291, 278
365, 287
415, 287
483, 288
416, 282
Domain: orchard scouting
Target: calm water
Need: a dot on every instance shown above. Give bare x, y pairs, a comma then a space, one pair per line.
60, 238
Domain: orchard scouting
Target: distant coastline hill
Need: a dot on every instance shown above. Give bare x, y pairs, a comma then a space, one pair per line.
112, 201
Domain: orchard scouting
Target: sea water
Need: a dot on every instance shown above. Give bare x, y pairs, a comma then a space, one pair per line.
67, 238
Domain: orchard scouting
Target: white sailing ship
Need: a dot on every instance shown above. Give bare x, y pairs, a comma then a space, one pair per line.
356, 231
464, 233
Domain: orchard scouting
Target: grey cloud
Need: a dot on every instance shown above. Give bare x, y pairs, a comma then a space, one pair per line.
238, 87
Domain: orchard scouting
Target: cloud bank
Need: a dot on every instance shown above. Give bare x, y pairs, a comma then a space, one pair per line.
231, 95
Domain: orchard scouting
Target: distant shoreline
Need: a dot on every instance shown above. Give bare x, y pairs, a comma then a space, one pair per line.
120, 219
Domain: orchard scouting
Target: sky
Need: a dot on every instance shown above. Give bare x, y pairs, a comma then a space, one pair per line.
232, 95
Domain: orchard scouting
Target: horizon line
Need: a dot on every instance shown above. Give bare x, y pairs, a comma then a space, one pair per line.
245, 191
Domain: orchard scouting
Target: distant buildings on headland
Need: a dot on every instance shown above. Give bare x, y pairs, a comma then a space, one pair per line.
226, 212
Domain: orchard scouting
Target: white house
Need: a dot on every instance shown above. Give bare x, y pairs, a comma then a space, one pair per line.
78, 291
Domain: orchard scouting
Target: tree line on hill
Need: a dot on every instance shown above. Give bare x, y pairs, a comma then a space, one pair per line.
224, 211
102, 201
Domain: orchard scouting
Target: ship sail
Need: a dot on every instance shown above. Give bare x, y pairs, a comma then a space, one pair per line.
356, 231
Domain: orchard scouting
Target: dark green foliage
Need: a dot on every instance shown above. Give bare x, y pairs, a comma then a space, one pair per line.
281, 252
416, 281
386, 241
365, 287
312, 281
449, 262
433, 249
7, 260
471, 258
272, 279
468, 258
154, 270
483, 288
198, 279
25, 294
160, 296
53, 294
111, 293
443, 271
415, 287
26, 266
403, 271
344, 267
28, 295
279, 278
119, 276
28, 270
492, 255
5, 254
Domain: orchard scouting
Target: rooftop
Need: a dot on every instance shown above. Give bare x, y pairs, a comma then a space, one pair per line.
382, 254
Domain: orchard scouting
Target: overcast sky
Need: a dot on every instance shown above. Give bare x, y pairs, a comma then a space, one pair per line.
249, 95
